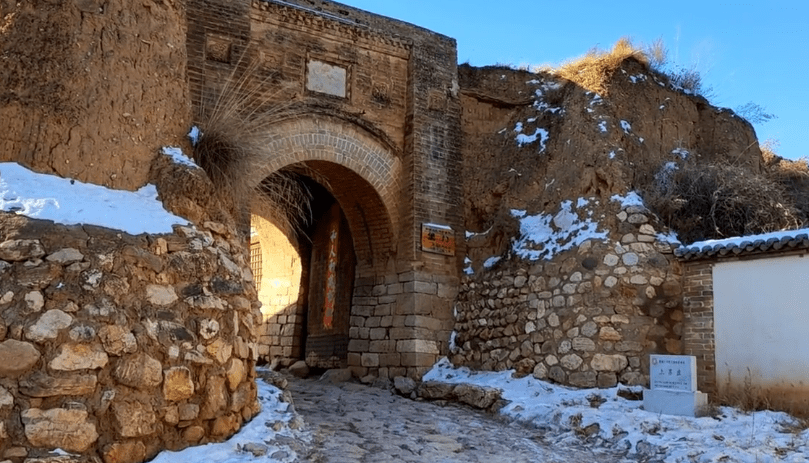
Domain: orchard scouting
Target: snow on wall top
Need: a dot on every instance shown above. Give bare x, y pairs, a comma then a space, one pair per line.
71, 202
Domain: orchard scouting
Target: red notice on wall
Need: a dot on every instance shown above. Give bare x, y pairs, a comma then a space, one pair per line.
438, 239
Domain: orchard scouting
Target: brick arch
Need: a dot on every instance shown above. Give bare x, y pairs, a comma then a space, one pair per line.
360, 172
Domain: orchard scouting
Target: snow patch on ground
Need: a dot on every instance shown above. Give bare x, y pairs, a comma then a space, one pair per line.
545, 235
622, 424
602, 126
71, 202
625, 125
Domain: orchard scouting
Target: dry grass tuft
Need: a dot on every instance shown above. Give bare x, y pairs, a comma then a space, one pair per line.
719, 201
593, 70
749, 397
793, 176
234, 122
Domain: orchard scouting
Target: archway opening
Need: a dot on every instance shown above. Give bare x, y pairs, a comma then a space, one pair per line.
304, 274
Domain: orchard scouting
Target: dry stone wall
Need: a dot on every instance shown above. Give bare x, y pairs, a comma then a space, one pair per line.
587, 317
116, 346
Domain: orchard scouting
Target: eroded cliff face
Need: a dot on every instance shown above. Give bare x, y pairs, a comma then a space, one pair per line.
89, 89
533, 140
569, 275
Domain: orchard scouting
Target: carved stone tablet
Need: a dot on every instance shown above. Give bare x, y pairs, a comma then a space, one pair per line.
326, 78
673, 372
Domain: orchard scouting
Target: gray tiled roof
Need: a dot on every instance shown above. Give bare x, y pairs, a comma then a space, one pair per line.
799, 239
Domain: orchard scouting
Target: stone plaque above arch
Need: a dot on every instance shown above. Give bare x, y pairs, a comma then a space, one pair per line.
327, 78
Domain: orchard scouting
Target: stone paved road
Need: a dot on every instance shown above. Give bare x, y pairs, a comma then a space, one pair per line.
353, 423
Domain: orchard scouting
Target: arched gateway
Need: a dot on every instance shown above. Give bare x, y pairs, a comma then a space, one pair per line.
374, 116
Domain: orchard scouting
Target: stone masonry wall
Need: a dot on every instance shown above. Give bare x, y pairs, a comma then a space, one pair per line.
118, 346
396, 324
588, 317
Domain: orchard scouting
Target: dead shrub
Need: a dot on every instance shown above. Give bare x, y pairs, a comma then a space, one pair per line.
234, 132
793, 176
719, 201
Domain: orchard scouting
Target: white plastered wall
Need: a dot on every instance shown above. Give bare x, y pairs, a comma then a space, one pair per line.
761, 322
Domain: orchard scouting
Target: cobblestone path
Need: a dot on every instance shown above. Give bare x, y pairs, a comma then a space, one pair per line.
352, 423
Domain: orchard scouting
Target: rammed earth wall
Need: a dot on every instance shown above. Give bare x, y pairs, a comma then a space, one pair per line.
590, 316
119, 346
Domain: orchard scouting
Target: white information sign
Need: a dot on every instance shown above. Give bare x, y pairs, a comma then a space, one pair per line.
326, 78
673, 372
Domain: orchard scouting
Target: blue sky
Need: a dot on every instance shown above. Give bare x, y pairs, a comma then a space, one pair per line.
746, 51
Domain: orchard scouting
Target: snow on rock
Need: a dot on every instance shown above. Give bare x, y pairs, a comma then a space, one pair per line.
541, 134
178, 157
70, 202
683, 153
625, 125
545, 235
489, 263
567, 415
630, 199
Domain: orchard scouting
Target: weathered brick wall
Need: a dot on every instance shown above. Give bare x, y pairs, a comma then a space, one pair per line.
698, 331
385, 139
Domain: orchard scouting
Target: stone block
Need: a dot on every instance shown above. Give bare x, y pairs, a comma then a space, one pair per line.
225, 425
583, 379
178, 384
215, 399
18, 250
71, 357
476, 396
418, 346
17, 357
606, 380
383, 346
160, 295
48, 326
134, 419
410, 359
236, 373
610, 363
59, 428
370, 360
678, 403
117, 340
139, 371
42, 385
124, 452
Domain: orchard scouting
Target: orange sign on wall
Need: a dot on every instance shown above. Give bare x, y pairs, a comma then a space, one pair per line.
438, 239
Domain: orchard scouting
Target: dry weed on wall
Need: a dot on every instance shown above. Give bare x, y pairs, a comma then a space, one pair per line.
719, 201
235, 121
